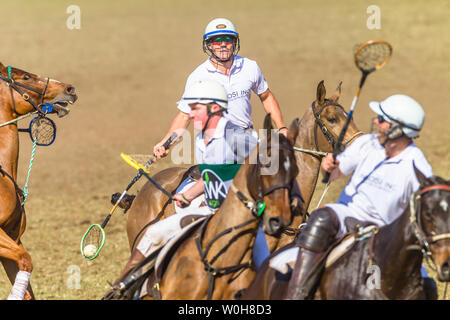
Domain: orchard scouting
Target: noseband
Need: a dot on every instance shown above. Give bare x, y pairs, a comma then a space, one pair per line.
258, 205
40, 108
415, 221
319, 123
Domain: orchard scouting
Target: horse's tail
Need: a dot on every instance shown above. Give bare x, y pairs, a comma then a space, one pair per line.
126, 201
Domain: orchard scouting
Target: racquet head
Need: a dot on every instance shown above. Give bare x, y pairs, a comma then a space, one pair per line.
372, 55
92, 242
43, 130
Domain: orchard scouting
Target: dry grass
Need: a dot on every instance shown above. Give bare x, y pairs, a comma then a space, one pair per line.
129, 63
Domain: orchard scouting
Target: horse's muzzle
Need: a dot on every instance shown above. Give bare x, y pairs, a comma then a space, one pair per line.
272, 226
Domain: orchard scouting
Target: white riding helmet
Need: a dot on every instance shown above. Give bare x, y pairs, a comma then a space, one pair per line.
220, 26
403, 112
205, 92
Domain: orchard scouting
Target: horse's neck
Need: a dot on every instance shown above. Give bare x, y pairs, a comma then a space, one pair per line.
308, 164
232, 213
9, 143
399, 264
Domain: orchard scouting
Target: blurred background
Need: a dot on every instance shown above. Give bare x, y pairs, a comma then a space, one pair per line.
129, 62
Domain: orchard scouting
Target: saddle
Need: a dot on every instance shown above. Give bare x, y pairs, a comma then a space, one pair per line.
284, 261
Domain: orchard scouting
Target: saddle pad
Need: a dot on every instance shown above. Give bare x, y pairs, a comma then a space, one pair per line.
285, 259
343, 247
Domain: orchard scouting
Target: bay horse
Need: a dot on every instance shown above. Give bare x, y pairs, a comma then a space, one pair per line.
21, 93
319, 128
214, 262
393, 255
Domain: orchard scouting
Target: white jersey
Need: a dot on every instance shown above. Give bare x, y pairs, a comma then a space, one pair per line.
229, 144
380, 188
245, 76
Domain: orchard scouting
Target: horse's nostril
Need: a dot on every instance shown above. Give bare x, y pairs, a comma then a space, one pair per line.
274, 224
70, 89
445, 268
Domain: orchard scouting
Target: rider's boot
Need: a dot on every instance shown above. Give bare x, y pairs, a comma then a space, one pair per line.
318, 234
136, 258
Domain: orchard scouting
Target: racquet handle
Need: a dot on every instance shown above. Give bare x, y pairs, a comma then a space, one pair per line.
105, 222
326, 177
166, 145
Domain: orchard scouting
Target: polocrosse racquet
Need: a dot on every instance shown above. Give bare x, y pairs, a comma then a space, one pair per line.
94, 238
371, 56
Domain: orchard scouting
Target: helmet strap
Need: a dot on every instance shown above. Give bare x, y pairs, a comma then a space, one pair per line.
210, 114
236, 48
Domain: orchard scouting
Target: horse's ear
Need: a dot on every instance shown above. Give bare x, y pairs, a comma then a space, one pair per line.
420, 176
268, 127
2, 67
321, 92
268, 122
337, 93
293, 131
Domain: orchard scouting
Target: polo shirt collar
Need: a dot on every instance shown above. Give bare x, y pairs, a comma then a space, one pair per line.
402, 155
237, 63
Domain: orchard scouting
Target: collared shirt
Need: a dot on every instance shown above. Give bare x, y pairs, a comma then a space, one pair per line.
229, 144
245, 76
380, 188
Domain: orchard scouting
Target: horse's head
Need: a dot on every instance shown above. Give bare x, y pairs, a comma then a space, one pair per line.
23, 92
330, 117
274, 174
430, 209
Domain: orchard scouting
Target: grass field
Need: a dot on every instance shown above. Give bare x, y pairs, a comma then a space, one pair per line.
129, 63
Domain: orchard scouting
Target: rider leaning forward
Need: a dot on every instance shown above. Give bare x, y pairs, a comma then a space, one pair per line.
220, 147
378, 192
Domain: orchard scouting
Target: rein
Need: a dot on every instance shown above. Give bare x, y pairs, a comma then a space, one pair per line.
40, 109
214, 272
415, 210
257, 207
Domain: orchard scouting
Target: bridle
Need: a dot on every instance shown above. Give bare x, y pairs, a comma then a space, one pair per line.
257, 207
257, 204
41, 108
416, 225
319, 123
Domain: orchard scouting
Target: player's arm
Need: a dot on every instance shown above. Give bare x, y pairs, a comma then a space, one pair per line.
179, 125
185, 198
271, 106
329, 164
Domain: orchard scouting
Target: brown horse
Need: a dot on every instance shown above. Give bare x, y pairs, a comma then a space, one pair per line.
213, 261
21, 92
396, 252
319, 128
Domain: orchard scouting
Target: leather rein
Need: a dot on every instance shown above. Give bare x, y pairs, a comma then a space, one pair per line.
257, 207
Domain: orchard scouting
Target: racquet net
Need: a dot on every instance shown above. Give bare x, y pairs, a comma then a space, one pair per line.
373, 55
92, 242
43, 130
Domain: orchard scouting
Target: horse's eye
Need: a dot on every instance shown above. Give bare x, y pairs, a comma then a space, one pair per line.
26, 77
332, 120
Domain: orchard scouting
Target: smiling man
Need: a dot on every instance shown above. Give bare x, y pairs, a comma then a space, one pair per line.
238, 75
